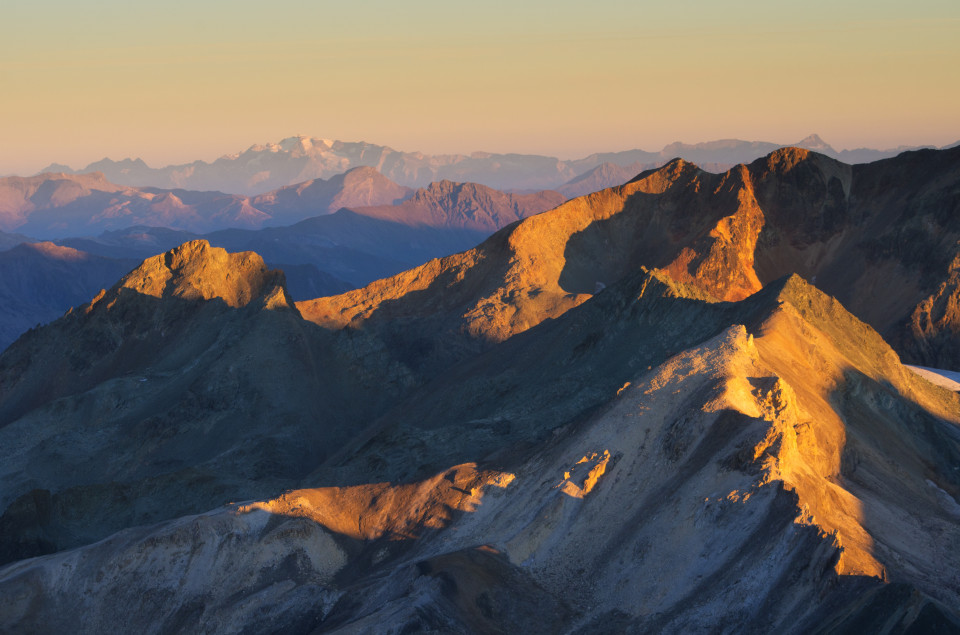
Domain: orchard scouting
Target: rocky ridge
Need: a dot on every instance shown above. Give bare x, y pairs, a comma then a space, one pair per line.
853, 229
738, 454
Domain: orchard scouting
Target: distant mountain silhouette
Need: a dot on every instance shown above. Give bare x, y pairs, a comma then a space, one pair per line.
297, 159
58, 205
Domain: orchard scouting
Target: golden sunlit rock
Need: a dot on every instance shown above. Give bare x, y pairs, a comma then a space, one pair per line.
368, 512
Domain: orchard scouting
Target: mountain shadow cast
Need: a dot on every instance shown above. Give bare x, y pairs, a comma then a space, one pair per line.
423, 328
912, 491
350, 245
137, 408
500, 402
650, 230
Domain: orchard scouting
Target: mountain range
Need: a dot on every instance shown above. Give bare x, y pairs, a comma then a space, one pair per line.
666, 406
298, 159
58, 205
883, 238
323, 255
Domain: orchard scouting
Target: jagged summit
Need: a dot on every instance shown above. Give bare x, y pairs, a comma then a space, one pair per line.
172, 304
269, 166
197, 271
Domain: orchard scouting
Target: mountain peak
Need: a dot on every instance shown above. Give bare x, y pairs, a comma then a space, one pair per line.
785, 159
197, 271
815, 143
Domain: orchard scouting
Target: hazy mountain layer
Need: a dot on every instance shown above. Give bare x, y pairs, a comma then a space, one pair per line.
8, 241
58, 205
358, 245
298, 159
322, 256
601, 177
40, 281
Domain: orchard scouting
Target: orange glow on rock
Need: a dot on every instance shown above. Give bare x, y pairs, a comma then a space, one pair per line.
371, 511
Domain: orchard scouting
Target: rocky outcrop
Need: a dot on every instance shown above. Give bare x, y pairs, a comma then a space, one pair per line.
934, 330
192, 381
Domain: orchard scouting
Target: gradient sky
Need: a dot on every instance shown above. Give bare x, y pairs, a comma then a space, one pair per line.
176, 81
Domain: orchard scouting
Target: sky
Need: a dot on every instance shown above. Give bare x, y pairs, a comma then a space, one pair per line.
176, 81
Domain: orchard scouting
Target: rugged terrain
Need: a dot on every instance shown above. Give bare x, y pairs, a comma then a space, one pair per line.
333, 251
627, 414
651, 460
193, 378
883, 238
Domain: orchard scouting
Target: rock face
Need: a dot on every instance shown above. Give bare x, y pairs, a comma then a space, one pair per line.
934, 328
494, 442
332, 252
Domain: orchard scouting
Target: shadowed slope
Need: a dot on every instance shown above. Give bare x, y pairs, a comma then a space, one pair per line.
737, 479
681, 463
192, 381
673, 465
120, 330
40, 281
